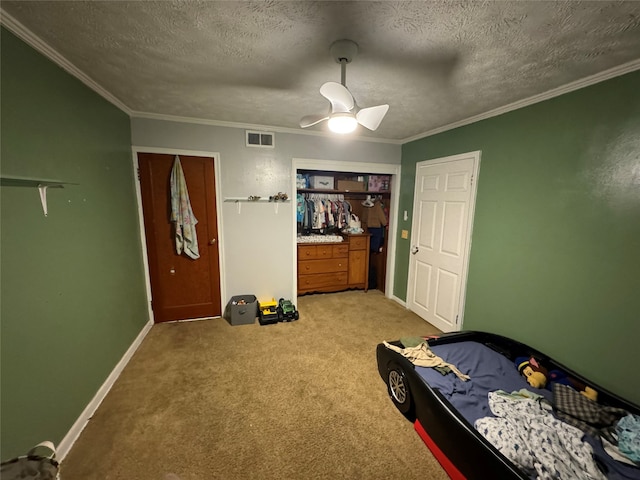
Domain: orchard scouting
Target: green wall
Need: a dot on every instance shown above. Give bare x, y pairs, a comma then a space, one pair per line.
555, 259
72, 284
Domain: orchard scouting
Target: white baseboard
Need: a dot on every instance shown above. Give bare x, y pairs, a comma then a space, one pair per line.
401, 302
72, 435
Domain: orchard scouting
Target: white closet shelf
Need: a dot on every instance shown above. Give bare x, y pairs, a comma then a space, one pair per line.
259, 200
240, 200
41, 184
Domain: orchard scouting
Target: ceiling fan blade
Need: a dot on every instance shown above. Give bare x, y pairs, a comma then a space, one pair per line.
311, 120
340, 98
372, 116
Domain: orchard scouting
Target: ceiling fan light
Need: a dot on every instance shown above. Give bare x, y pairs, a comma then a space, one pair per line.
342, 123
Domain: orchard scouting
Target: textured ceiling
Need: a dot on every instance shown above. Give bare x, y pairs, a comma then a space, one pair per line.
433, 62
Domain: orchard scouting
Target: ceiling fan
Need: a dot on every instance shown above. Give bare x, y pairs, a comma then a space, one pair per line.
344, 114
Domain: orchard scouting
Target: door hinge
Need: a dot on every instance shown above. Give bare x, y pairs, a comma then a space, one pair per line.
457, 322
138, 173
471, 178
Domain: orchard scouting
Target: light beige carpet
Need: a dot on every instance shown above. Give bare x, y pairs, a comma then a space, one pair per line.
301, 400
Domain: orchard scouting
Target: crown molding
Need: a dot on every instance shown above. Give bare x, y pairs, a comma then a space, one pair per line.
556, 92
251, 126
41, 46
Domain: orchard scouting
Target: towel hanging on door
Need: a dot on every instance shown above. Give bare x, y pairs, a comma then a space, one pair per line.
182, 215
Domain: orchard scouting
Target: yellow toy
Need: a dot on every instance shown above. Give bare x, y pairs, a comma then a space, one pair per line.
268, 312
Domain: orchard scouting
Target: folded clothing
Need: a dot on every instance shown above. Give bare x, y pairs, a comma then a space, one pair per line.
628, 430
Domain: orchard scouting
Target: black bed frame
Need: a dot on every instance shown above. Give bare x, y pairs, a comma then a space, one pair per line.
458, 446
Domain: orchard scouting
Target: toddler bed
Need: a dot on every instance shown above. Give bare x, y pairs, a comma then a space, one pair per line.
478, 429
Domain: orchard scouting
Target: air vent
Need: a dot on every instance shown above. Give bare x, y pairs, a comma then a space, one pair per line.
260, 139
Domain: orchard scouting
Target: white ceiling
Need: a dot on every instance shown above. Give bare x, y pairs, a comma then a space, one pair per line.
262, 63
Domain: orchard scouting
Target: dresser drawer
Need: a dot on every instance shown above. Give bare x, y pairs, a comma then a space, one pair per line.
340, 251
358, 243
320, 251
307, 251
321, 280
306, 267
324, 251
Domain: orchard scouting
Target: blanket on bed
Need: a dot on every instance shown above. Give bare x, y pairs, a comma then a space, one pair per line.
488, 370
589, 416
530, 436
422, 356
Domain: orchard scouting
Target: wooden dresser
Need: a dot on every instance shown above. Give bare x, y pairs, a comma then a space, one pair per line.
331, 267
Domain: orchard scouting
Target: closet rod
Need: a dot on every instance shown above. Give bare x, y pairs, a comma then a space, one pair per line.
325, 196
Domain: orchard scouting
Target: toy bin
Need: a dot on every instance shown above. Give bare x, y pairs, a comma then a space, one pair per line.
379, 183
241, 310
321, 183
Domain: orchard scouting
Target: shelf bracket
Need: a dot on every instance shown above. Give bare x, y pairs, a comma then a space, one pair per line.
42, 188
43, 197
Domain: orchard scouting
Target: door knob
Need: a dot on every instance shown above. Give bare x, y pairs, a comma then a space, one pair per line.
414, 250
212, 241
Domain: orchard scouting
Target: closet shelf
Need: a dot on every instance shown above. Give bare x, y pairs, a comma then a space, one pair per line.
40, 183
10, 181
341, 192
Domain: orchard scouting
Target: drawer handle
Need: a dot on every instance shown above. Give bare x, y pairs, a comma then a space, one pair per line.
307, 267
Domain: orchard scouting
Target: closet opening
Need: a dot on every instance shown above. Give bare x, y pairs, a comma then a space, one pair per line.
343, 233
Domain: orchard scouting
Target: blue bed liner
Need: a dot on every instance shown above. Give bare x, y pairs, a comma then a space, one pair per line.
489, 371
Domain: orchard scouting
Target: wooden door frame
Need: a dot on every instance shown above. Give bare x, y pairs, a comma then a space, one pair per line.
216, 166
467, 248
355, 167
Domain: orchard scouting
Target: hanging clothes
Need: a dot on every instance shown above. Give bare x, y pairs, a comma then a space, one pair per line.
376, 221
374, 216
322, 213
300, 207
377, 239
182, 215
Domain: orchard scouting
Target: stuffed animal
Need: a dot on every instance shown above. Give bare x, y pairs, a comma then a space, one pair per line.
539, 377
533, 372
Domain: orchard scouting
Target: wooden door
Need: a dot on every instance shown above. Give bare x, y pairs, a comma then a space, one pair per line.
441, 232
181, 288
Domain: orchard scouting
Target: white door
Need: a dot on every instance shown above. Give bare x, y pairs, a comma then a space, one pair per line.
443, 204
